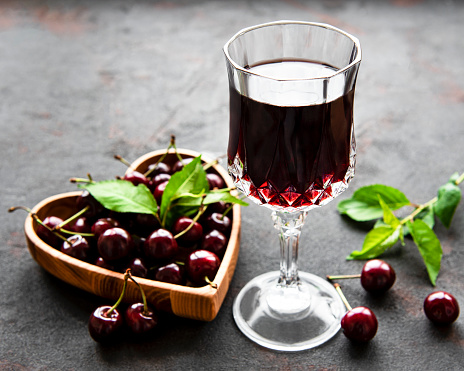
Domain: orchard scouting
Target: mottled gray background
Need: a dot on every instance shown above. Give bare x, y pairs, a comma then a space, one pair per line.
83, 80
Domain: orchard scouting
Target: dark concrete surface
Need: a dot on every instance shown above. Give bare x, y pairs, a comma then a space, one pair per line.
83, 80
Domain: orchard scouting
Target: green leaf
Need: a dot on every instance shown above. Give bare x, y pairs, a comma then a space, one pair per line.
191, 179
211, 198
377, 241
177, 212
388, 216
364, 205
449, 196
122, 196
429, 247
380, 223
454, 178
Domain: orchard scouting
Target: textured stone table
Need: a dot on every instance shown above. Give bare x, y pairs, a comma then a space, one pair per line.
81, 81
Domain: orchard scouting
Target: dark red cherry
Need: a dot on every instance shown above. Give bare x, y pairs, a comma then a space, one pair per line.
441, 308
170, 273
140, 321
161, 244
215, 241
102, 224
86, 199
202, 265
219, 222
159, 168
103, 326
46, 235
218, 207
145, 223
138, 268
77, 247
136, 178
359, 324
215, 181
194, 234
100, 262
158, 179
114, 244
82, 225
377, 276
179, 165
158, 192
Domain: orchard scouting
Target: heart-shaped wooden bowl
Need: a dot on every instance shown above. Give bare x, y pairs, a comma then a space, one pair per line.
200, 303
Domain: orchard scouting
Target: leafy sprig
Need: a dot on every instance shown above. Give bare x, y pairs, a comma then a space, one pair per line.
186, 191
379, 201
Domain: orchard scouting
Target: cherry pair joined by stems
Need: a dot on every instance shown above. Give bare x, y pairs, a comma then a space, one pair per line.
377, 276
106, 321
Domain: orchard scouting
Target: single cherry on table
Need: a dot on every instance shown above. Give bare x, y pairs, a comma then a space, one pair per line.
377, 276
441, 308
359, 324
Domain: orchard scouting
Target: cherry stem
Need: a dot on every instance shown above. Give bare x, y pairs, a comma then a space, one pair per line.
123, 292
173, 145
123, 160
211, 283
344, 276
14, 208
173, 139
81, 180
71, 218
83, 234
144, 298
429, 203
342, 296
209, 164
53, 230
201, 210
227, 211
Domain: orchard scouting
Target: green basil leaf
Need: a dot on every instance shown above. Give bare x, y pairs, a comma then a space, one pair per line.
429, 247
364, 205
191, 179
122, 196
377, 241
449, 196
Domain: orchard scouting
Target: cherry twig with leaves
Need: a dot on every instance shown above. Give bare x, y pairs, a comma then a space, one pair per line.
379, 201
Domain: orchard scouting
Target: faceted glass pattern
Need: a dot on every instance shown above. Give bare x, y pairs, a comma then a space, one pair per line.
319, 193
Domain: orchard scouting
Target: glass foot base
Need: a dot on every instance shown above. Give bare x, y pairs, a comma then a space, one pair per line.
290, 318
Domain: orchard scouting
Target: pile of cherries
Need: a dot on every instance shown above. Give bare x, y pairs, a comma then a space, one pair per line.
360, 324
190, 253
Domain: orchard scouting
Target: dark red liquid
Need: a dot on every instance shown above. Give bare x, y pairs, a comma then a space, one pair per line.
291, 156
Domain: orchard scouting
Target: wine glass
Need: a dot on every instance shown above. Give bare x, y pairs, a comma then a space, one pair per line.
291, 148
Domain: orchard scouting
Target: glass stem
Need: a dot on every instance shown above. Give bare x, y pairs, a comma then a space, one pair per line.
289, 226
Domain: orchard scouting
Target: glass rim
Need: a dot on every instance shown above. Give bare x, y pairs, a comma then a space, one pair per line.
243, 31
